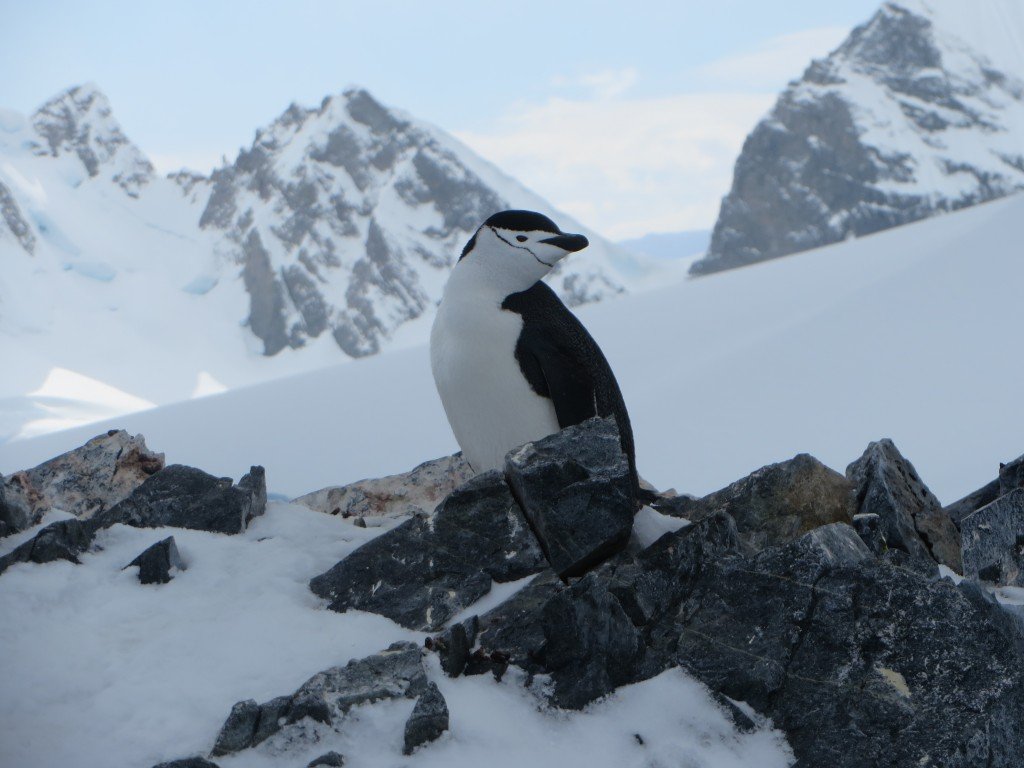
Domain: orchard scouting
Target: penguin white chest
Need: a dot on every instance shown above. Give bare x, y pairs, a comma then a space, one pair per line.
490, 404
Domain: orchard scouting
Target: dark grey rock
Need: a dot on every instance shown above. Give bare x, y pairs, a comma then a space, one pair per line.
812, 173
575, 488
1011, 476
513, 632
429, 719
188, 762
886, 484
325, 698
454, 644
776, 504
156, 562
869, 527
238, 730
185, 497
329, 760
14, 221
14, 513
63, 540
993, 541
83, 482
423, 572
266, 296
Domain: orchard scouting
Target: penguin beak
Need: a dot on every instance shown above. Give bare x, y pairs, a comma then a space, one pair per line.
568, 242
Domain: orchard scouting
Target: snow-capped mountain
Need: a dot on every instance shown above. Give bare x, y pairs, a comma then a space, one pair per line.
325, 239
919, 111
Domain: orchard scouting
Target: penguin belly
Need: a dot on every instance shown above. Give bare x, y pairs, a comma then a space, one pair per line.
490, 404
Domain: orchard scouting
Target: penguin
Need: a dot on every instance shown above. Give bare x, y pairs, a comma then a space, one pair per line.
511, 363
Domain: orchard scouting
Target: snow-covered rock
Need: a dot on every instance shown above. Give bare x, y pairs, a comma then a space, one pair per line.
904, 120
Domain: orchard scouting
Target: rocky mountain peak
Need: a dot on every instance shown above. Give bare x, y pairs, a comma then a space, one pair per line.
905, 119
80, 122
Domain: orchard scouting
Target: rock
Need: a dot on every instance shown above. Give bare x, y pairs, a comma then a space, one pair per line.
185, 497
156, 562
777, 503
238, 730
868, 526
423, 572
188, 762
429, 719
328, 759
82, 482
886, 484
403, 495
575, 488
394, 673
993, 541
513, 632
1011, 476
14, 514
454, 644
63, 540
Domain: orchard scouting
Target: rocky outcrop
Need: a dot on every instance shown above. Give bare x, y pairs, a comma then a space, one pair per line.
576, 491
418, 491
63, 540
776, 504
327, 697
82, 482
912, 520
158, 563
14, 221
426, 570
901, 122
993, 541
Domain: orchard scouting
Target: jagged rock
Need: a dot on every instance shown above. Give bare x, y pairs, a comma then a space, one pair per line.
868, 526
155, 563
325, 698
993, 541
423, 572
188, 762
454, 644
575, 488
429, 719
776, 504
1011, 477
328, 760
185, 497
63, 540
14, 515
886, 484
82, 482
238, 730
417, 491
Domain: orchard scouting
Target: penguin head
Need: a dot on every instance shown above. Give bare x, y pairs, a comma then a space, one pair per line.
522, 246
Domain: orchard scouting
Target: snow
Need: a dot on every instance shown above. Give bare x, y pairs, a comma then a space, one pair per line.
99, 670
906, 334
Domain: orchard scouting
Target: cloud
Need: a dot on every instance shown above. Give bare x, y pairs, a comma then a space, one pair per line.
626, 167
774, 62
606, 84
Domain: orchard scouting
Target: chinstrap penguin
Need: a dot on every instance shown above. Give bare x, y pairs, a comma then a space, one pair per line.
511, 363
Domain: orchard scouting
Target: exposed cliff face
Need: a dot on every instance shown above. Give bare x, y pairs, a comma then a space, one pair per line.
904, 120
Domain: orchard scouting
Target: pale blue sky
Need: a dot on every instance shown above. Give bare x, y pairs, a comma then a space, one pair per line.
190, 81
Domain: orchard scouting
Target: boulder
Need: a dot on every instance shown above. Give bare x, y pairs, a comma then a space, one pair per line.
429, 719
63, 540
157, 562
327, 760
325, 698
82, 482
185, 497
886, 484
14, 513
993, 541
416, 492
454, 644
575, 488
777, 503
426, 570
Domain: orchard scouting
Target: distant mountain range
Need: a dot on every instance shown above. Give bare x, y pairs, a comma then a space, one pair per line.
919, 111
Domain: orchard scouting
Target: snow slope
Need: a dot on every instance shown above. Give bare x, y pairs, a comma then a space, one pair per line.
909, 334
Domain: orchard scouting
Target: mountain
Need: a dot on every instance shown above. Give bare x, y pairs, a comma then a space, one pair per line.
329, 237
907, 118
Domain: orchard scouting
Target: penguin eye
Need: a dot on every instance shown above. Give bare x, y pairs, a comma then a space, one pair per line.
521, 238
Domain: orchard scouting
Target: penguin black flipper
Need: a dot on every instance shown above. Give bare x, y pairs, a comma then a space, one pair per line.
563, 363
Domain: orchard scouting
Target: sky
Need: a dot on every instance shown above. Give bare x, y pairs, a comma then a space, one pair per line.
627, 116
